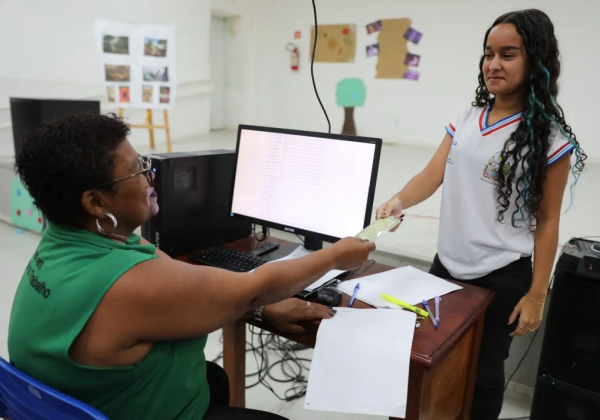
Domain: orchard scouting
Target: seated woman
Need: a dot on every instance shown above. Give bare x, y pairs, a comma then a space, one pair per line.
102, 315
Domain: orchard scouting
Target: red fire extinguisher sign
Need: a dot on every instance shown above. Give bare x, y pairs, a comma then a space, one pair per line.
295, 59
294, 56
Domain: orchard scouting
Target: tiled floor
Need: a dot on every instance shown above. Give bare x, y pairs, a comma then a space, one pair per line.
416, 238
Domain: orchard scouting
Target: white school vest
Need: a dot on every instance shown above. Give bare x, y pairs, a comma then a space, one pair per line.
472, 243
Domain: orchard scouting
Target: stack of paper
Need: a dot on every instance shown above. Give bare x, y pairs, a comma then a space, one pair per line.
361, 361
406, 283
301, 252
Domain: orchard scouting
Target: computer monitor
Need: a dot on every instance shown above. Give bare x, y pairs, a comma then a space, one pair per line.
317, 185
28, 113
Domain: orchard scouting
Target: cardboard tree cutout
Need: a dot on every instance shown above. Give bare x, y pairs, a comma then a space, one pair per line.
350, 93
23, 213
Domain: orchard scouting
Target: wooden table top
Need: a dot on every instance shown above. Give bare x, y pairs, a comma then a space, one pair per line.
459, 311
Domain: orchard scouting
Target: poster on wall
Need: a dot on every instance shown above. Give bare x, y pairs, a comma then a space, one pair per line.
393, 49
138, 64
335, 43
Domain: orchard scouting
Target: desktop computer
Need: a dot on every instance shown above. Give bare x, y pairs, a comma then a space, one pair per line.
29, 113
193, 194
317, 185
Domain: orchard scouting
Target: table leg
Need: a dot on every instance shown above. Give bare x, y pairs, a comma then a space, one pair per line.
234, 361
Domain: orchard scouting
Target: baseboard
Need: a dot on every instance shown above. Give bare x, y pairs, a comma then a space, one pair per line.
519, 391
5, 218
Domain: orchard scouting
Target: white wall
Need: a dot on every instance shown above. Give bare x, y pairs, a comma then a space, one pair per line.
402, 110
48, 50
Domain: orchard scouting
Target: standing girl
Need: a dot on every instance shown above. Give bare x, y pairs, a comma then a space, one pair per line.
504, 163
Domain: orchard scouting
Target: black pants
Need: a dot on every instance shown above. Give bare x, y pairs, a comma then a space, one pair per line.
218, 408
510, 284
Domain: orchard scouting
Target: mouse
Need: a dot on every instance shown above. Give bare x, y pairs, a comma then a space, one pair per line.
329, 296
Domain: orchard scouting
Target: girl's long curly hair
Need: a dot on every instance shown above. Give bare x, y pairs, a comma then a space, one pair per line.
528, 146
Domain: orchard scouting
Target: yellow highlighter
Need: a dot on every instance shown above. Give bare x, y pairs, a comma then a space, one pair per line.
405, 305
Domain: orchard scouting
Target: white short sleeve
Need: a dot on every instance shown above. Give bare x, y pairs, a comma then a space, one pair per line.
456, 121
559, 146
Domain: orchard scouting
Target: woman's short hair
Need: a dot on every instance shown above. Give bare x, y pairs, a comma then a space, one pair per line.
64, 158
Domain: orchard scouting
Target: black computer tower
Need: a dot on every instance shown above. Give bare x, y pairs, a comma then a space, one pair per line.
29, 113
194, 199
568, 383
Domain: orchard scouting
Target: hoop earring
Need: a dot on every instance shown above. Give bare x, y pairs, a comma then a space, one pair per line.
113, 220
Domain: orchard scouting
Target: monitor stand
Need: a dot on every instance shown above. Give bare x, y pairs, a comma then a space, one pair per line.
312, 244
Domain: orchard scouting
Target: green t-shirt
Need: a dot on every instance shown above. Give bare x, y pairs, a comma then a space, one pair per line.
65, 280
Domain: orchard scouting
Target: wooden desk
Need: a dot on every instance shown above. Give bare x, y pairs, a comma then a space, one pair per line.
443, 362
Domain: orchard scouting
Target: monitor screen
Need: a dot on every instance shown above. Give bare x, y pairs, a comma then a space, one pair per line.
314, 184
29, 113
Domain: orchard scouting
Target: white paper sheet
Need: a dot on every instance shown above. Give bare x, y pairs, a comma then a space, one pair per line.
361, 362
301, 252
406, 283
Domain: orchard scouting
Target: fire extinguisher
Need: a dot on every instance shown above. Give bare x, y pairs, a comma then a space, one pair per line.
294, 56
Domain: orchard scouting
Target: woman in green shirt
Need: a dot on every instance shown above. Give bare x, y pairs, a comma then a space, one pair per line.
107, 318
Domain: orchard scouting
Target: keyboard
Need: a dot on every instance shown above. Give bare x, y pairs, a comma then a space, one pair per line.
228, 259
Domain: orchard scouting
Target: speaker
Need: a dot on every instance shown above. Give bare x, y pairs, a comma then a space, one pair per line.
569, 370
557, 400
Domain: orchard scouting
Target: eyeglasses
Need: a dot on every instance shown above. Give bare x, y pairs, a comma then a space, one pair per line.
145, 163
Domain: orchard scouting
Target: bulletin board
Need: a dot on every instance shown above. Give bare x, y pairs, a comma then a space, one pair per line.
138, 64
335, 44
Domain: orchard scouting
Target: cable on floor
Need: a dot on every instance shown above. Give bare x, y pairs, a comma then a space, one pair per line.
278, 361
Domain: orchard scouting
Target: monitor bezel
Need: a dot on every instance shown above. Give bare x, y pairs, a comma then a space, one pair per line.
293, 229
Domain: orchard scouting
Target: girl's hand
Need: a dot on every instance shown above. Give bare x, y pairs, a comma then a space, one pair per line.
530, 315
392, 208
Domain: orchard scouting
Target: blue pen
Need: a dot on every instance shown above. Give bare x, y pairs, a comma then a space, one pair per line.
354, 295
437, 309
435, 324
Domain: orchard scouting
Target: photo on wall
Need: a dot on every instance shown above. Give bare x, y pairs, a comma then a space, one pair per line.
374, 27
156, 74
155, 47
411, 75
147, 91
412, 60
124, 96
372, 50
111, 92
116, 44
165, 94
117, 73
413, 35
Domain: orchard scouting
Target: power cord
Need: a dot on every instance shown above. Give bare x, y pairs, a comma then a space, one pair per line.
522, 359
266, 232
530, 344
301, 240
312, 62
366, 265
293, 369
